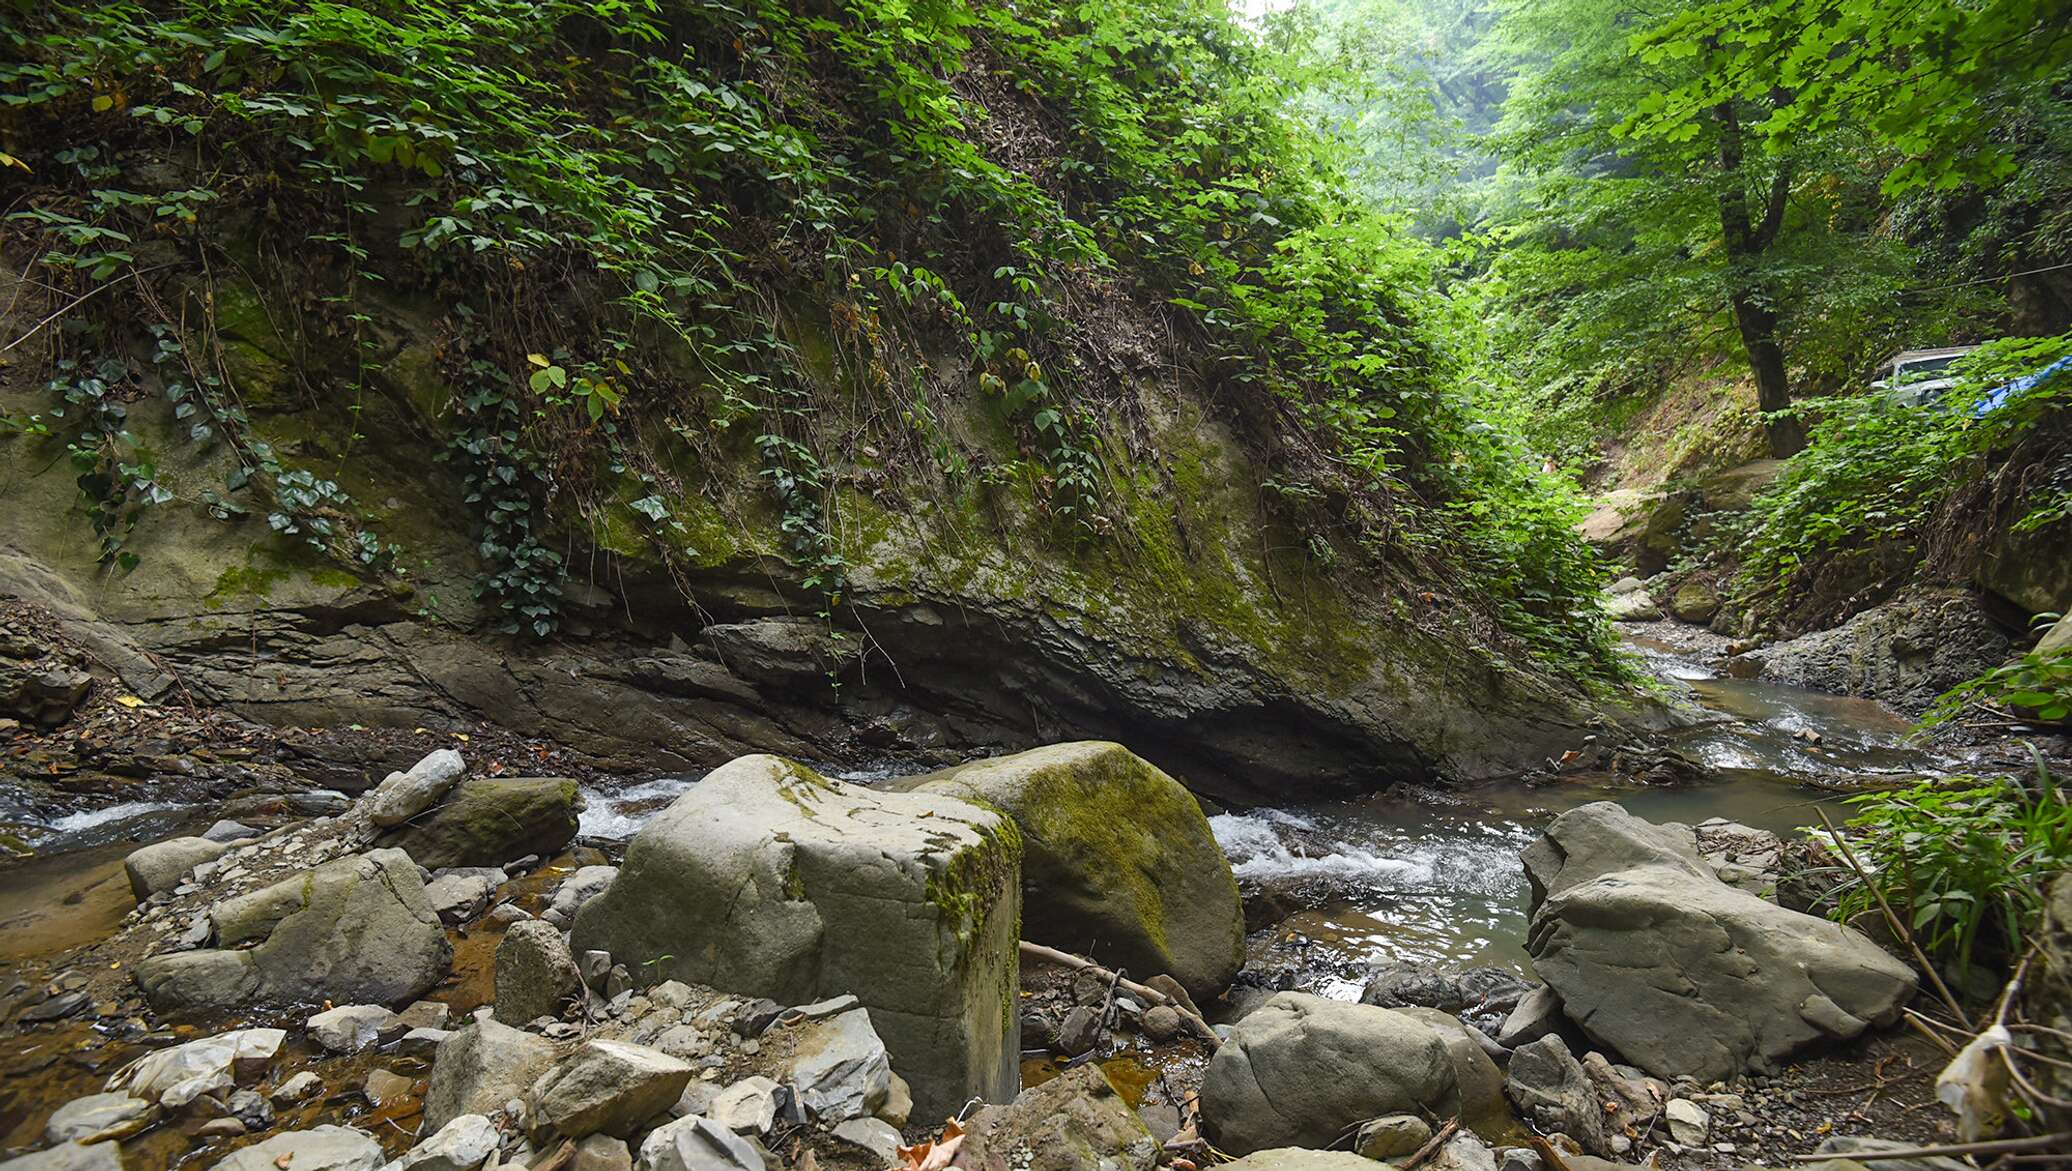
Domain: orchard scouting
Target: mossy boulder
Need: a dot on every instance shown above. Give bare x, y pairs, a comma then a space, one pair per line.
1119, 860
766, 879
488, 821
1694, 601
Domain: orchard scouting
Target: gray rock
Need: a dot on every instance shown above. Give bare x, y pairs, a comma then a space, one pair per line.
535, 973
1518, 1159
1842, 1146
1465, 1152
249, 1108
797, 888
402, 796
421, 1042
1654, 957
229, 831
1392, 1136
422, 1014
241, 1053
385, 1085
880, 1138
357, 930
1116, 853
839, 1068
1162, 1022
1300, 1159
457, 896
579, 888
608, 1087
46, 695
602, 1152
349, 1028
488, 821
1074, 1122
1303, 1071
463, 1144
91, 1115
1688, 1122
1080, 1031
161, 865
69, 1157
303, 1085
1552, 1092
1538, 1015
481, 1067
696, 1143
325, 1148
749, 1106
1636, 605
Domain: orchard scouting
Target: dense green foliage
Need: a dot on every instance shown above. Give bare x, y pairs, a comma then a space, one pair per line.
1878, 472
1964, 863
637, 209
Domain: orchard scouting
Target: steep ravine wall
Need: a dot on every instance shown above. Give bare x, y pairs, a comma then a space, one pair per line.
1200, 633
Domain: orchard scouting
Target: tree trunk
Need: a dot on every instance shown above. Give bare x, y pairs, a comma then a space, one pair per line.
1758, 326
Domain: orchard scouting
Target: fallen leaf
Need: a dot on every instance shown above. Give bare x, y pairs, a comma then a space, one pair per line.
129, 701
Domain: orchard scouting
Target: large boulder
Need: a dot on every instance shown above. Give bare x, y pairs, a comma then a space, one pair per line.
767, 879
534, 972
69, 1156
1655, 957
488, 821
1074, 1122
161, 865
608, 1087
356, 930
1118, 859
478, 1069
323, 1148
1303, 1071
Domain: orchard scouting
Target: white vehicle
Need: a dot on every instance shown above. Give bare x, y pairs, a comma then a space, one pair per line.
1917, 377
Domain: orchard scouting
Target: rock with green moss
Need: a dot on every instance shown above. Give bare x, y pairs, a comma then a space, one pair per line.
488, 821
1119, 860
766, 879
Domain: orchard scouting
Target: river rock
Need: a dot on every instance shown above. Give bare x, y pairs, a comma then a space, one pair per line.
303, 1085
161, 865
1694, 601
1300, 1159
1656, 958
457, 896
402, 796
357, 930
488, 821
839, 1068
1552, 1092
767, 879
463, 1144
602, 1152
1688, 1122
1074, 1122
69, 1157
1302, 1070
325, 1148
608, 1087
1538, 1014
576, 890
1634, 605
481, 1067
534, 972
228, 831
349, 1028
93, 1114
749, 1106
43, 694
241, 1053
696, 1143
1117, 858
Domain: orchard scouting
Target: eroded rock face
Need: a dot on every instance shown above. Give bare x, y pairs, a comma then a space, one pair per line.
355, 930
1655, 957
1118, 857
1302, 1071
768, 880
1904, 653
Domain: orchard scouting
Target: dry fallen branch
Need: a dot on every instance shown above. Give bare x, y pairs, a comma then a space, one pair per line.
2000, 1146
1432, 1144
1199, 1027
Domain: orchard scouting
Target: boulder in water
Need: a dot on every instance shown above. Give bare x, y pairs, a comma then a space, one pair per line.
767, 879
325, 1148
1118, 859
488, 821
1655, 957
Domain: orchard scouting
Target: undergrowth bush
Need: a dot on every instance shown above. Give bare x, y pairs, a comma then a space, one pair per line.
624, 208
1964, 862
1876, 471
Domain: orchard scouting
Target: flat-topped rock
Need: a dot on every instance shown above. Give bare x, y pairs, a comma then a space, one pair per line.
767, 879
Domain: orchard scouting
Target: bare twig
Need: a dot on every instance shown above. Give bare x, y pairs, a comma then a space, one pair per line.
1198, 1026
2041, 1142
1432, 1144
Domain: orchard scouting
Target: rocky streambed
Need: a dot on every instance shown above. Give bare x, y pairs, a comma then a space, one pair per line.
464, 968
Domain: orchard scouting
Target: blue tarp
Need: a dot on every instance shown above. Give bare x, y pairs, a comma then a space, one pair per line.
2000, 394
